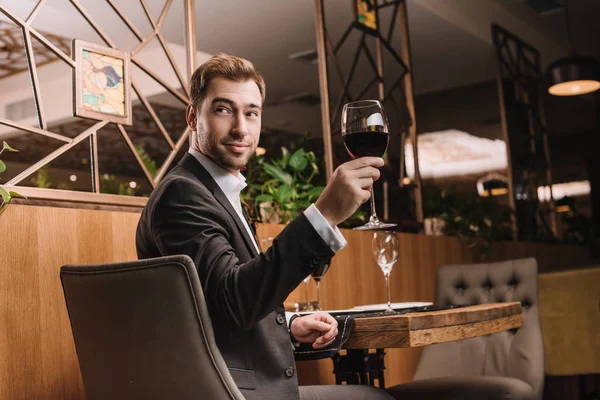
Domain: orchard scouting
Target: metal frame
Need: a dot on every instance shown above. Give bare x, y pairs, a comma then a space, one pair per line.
13, 42
327, 51
79, 46
95, 197
520, 62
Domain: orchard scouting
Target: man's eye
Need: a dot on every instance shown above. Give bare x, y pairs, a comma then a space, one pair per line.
222, 110
252, 114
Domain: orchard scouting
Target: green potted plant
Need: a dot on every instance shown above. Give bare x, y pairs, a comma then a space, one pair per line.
477, 221
281, 187
6, 195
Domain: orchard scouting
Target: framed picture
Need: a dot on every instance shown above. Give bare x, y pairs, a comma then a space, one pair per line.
365, 15
102, 83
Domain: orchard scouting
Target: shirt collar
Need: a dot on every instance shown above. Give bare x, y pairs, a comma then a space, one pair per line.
229, 183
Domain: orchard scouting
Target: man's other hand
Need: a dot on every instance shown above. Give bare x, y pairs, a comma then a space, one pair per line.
319, 328
348, 188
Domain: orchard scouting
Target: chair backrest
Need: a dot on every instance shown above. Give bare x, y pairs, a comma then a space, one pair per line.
142, 330
516, 354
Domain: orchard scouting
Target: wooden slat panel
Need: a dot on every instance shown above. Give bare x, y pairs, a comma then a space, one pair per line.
37, 352
57, 243
20, 313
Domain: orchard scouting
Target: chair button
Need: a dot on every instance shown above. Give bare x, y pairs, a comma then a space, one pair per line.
280, 319
289, 372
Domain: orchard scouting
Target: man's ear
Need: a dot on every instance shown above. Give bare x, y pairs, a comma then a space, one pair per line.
191, 117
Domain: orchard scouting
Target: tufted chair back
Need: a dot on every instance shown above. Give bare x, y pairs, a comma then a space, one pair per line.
515, 354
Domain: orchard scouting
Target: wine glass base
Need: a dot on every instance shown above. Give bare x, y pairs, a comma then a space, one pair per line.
374, 226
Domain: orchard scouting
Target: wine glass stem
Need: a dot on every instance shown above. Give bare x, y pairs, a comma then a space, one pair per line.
373, 218
317, 284
387, 290
306, 287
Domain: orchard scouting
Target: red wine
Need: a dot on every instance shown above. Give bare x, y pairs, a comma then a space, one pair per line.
364, 144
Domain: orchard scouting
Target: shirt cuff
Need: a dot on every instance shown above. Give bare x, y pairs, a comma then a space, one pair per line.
330, 234
288, 317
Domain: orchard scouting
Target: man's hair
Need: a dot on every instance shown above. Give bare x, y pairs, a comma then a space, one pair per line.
226, 66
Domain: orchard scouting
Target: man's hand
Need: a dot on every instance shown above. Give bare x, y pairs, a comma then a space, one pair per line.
319, 328
348, 188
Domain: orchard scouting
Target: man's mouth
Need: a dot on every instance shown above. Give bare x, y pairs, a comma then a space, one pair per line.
237, 147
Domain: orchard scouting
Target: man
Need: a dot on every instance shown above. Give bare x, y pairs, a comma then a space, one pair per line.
196, 210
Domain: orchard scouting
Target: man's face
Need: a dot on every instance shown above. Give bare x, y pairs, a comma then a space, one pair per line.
228, 122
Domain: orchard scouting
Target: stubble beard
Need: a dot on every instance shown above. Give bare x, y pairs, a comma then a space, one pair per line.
218, 152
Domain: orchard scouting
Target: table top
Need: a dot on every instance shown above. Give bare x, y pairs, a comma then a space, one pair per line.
424, 328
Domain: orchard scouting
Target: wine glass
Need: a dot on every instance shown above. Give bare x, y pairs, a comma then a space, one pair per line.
317, 275
385, 252
365, 133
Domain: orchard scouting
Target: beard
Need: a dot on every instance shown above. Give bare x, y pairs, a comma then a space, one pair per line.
218, 152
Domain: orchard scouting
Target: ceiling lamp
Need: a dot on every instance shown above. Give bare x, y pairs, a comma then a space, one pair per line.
573, 75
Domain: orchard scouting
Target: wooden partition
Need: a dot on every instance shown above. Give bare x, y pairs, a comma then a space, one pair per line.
37, 354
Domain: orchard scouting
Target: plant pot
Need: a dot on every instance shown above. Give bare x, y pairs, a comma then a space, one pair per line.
434, 226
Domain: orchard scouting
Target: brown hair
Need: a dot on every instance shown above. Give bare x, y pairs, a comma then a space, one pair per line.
226, 66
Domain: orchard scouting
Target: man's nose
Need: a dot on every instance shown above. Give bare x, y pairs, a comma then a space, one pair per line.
240, 125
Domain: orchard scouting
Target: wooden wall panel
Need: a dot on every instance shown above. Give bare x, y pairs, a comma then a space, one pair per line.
37, 353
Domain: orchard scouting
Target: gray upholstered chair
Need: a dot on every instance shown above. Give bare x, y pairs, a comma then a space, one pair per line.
142, 331
505, 365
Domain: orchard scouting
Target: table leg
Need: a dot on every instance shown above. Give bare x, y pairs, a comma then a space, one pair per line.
359, 367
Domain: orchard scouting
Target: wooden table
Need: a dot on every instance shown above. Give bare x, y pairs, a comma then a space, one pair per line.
424, 328
359, 366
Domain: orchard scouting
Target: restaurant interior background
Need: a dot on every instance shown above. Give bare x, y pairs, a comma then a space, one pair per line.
457, 108
461, 119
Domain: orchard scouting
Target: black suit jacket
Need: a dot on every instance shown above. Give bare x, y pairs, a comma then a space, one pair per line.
188, 213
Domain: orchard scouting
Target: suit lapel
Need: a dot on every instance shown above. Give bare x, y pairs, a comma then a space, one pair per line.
190, 163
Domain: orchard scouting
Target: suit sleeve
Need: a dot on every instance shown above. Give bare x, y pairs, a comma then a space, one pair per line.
188, 220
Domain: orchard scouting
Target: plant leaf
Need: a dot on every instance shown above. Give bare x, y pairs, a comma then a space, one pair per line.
298, 160
2, 167
278, 173
5, 195
17, 195
315, 192
285, 157
263, 198
303, 204
284, 194
5, 146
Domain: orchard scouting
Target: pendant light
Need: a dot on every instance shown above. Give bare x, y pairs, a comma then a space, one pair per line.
573, 75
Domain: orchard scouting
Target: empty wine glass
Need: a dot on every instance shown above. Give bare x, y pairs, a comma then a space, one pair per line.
317, 275
366, 134
305, 306
385, 252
